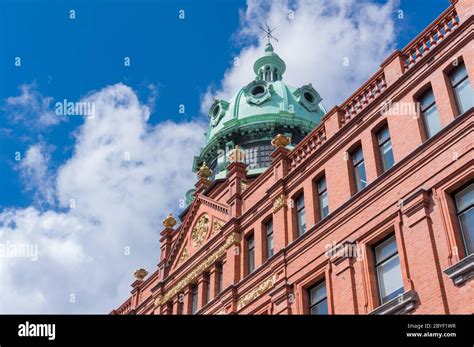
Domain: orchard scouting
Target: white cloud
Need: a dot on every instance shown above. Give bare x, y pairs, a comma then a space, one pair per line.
314, 41
32, 109
119, 205
35, 173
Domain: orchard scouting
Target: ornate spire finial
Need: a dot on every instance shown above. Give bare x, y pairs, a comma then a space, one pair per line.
237, 155
140, 274
280, 141
204, 171
169, 222
268, 33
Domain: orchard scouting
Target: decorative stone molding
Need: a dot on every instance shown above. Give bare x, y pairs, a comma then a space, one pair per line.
198, 270
220, 312
217, 226
261, 288
184, 255
462, 271
346, 250
402, 304
279, 202
200, 231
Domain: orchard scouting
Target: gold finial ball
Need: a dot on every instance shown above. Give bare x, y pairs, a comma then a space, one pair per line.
169, 222
237, 155
140, 274
204, 171
280, 141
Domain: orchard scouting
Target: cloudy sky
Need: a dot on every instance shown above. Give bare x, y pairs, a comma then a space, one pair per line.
85, 195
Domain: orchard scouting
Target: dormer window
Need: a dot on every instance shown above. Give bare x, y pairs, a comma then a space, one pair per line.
308, 97
258, 90
217, 111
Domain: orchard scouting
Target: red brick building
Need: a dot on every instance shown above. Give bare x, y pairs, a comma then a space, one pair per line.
371, 212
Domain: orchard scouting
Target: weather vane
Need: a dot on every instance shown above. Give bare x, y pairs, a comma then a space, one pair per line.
268, 33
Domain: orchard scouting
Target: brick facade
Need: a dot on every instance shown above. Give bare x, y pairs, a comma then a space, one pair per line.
412, 200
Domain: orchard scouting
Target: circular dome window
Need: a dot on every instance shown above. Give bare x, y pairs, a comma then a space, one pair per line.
216, 111
258, 90
309, 97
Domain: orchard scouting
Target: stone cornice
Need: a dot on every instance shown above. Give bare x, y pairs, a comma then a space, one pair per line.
462, 271
402, 304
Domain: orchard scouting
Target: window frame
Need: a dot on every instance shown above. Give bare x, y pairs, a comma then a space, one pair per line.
320, 283
426, 130
194, 298
269, 251
219, 280
455, 85
384, 126
458, 214
320, 195
377, 263
298, 210
355, 165
250, 250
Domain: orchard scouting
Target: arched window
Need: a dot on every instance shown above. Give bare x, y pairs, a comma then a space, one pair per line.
275, 75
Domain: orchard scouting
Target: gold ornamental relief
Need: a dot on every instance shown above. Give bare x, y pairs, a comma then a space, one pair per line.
279, 202
184, 255
200, 231
217, 226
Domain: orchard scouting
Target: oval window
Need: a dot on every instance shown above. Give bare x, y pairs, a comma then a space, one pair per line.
258, 90
216, 111
309, 97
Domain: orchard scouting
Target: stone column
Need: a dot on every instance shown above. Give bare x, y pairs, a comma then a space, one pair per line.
237, 172
342, 258
422, 256
231, 270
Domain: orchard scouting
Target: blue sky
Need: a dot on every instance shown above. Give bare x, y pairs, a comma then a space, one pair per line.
69, 58
173, 62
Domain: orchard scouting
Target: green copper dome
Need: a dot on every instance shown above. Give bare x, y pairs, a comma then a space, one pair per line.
256, 114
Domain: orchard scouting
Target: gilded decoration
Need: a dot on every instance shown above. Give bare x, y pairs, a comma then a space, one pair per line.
243, 186
140, 274
280, 141
169, 222
184, 255
197, 271
204, 172
261, 288
279, 202
217, 226
200, 231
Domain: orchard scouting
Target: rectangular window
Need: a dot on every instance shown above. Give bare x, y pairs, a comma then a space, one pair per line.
358, 166
219, 275
250, 254
385, 148
318, 303
207, 292
387, 268
269, 237
194, 299
322, 198
462, 88
429, 113
300, 215
465, 213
